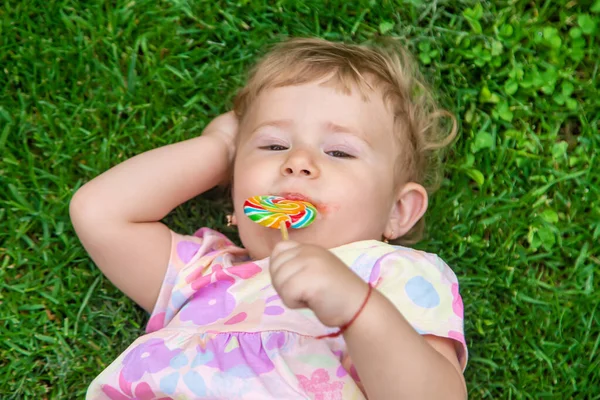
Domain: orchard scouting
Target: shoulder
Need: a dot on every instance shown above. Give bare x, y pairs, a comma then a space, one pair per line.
186, 248
421, 286
419, 277
375, 260
424, 262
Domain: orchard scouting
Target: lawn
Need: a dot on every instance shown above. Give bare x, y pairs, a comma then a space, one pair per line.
87, 84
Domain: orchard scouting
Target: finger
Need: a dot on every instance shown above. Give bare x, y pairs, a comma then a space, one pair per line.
281, 255
290, 287
284, 261
283, 246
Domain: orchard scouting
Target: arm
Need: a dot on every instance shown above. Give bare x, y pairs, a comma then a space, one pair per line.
395, 362
391, 358
117, 214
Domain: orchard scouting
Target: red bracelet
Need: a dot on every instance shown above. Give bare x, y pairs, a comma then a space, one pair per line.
347, 325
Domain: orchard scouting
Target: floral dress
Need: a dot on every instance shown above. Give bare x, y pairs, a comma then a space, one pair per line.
220, 331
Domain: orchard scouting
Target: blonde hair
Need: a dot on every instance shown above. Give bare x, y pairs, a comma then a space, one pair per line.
386, 66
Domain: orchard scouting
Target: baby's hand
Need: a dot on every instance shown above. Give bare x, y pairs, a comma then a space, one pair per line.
311, 276
224, 127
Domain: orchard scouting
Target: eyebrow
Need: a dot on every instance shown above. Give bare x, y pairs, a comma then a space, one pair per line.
357, 133
328, 126
335, 128
280, 123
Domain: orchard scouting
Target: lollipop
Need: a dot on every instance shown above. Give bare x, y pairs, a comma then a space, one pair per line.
280, 213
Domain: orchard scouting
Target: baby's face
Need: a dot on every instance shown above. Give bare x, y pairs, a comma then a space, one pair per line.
313, 143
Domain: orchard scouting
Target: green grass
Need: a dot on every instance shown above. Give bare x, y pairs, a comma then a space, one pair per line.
86, 84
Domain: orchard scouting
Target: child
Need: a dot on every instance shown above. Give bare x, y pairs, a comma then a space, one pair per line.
335, 312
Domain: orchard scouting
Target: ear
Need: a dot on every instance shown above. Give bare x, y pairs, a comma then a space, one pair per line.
411, 204
233, 220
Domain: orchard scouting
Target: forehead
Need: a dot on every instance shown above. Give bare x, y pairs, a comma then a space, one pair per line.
323, 103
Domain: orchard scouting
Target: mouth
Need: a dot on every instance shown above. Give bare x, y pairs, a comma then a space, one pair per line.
321, 208
296, 197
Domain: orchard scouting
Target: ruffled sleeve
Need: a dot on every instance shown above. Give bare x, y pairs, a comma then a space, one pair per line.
185, 250
425, 290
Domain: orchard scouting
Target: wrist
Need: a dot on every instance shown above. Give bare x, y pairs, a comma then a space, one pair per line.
355, 314
222, 140
224, 128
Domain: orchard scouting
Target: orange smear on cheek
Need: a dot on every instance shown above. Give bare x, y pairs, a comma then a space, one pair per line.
326, 209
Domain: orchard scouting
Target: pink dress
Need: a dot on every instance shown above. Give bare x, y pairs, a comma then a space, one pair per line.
220, 331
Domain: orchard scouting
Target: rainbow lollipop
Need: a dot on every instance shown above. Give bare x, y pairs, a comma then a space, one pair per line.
280, 213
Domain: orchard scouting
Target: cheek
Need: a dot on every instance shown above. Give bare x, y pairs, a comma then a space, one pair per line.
253, 173
363, 196
250, 179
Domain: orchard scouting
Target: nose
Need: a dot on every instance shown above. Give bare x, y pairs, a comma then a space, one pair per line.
300, 164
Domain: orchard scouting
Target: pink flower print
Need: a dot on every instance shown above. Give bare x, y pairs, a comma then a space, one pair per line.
456, 336
319, 385
209, 304
236, 319
151, 356
143, 391
156, 322
376, 272
248, 358
211, 300
271, 309
197, 280
457, 303
276, 340
186, 250
243, 271
341, 371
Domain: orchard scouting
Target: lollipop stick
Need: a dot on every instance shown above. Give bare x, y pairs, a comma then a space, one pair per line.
283, 229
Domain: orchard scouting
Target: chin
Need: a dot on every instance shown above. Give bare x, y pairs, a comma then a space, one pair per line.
307, 237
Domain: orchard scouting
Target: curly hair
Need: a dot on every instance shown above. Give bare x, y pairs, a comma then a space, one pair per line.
386, 66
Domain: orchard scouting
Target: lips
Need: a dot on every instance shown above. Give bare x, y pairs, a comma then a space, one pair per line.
321, 208
295, 196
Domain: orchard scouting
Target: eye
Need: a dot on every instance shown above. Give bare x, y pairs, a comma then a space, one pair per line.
273, 147
339, 154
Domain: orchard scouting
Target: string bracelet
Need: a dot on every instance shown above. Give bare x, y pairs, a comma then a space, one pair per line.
347, 325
